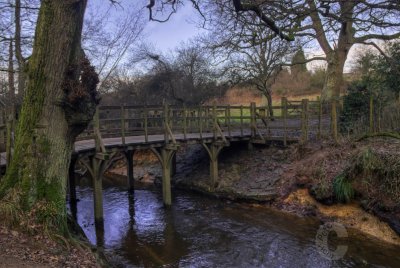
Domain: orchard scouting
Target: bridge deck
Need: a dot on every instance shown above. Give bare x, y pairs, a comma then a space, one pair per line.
139, 142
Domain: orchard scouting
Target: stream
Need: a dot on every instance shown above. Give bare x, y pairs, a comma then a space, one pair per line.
199, 231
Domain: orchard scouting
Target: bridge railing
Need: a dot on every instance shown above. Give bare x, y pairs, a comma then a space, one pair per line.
295, 119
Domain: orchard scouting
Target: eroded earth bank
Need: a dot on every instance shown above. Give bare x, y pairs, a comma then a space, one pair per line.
354, 183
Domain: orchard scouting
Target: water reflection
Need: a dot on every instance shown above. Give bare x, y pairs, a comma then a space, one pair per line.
202, 232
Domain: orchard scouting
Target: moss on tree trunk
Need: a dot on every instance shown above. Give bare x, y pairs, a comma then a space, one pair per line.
334, 75
51, 116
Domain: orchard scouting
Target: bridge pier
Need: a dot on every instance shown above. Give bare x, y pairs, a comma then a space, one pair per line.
213, 150
96, 169
129, 169
165, 155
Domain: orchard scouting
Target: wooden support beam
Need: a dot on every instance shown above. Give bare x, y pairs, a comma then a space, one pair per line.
129, 169
213, 150
304, 120
97, 165
165, 155
253, 119
284, 104
173, 165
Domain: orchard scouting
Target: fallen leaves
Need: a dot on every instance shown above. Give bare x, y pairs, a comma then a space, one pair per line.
19, 249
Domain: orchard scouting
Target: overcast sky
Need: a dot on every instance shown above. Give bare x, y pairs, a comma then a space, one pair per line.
181, 27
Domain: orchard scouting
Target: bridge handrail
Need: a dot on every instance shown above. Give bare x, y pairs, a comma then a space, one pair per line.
169, 120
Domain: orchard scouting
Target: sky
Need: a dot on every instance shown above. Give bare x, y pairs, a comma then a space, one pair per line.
181, 27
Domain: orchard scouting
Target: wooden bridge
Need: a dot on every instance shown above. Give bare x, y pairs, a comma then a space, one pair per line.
163, 129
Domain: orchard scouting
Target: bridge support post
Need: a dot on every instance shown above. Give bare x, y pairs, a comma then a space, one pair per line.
96, 168
97, 190
129, 169
165, 156
304, 120
213, 150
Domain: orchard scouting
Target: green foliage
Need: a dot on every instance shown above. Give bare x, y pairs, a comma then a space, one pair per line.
355, 106
343, 189
387, 70
379, 80
298, 61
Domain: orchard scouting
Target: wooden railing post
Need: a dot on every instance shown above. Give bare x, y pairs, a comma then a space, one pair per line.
304, 120
146, 124
241, 120
96, 128
184, 122
215, 120
371, 114
228, 119
200, 122
284, 115
123, 124
253, 119
166, 120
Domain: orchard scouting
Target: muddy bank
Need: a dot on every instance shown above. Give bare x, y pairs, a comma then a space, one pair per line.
298, 179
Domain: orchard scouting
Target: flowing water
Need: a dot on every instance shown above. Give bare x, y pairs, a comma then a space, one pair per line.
204, 232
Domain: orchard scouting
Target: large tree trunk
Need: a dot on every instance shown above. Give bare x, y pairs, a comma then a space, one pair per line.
334, 75
59, 102
333, 85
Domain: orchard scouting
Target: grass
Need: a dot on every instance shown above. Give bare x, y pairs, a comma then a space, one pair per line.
343, 189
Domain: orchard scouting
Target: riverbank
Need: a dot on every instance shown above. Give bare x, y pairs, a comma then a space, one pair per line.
21, 249
298, 179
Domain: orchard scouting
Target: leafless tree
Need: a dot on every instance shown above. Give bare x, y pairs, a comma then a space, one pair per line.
337, 25
16, 32
110, 34
334, 25
251, 52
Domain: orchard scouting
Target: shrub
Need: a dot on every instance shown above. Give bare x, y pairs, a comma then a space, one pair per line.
343, 189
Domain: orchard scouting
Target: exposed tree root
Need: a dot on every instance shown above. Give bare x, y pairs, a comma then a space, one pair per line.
380, 134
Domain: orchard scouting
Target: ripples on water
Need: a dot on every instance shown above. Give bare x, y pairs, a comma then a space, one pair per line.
203, 232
